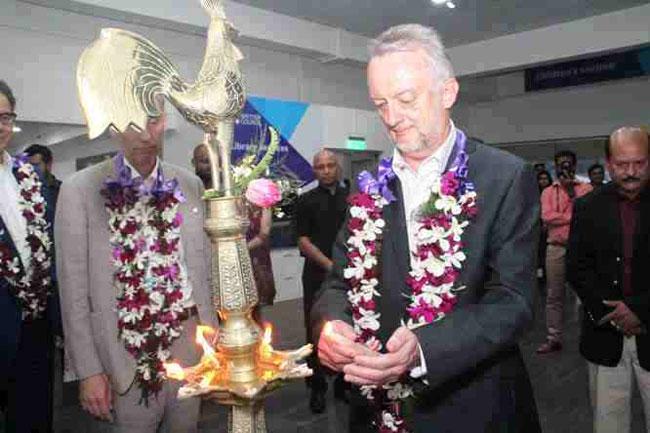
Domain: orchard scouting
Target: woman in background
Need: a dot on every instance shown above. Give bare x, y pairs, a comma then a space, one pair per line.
258, 238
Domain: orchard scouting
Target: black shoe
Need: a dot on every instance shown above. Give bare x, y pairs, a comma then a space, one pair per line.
317, 402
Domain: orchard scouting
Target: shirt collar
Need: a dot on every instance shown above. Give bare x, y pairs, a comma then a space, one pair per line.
135, 173
5, 160
440, 157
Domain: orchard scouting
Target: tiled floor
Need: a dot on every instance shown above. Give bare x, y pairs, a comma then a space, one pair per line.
560, 382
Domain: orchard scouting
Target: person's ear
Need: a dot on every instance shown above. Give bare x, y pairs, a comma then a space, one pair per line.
450, 90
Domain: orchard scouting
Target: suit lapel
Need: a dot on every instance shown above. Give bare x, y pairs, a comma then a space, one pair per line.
641, 235
395, 264
5, 238
398, 233
612, 213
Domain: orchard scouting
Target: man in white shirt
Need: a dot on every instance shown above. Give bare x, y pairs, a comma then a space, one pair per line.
27, 311
113, 314
468, 370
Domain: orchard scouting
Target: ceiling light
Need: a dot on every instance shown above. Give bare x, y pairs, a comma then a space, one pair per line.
439, 2
17, 128
451, 5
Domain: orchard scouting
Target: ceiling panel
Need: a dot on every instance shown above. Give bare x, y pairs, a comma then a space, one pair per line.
470, 21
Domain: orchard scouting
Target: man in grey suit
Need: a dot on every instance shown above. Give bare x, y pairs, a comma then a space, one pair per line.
115, 385
474, 376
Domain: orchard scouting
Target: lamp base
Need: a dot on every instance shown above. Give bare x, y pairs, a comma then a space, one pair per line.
249, 418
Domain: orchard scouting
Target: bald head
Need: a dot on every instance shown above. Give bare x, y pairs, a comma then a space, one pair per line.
627, 134
201, 163
326, 168
199, 152
324, 153
627, 159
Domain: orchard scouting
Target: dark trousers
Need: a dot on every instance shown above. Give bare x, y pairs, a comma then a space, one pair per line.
312, 278
29, 390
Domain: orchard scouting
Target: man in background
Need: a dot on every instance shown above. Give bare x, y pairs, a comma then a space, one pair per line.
596, 175
28, 308
201, 164
607, 266
319, 216
557, 208
41, 157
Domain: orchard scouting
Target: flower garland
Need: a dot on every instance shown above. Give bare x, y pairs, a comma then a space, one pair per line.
436, 263
145, 223
30, 283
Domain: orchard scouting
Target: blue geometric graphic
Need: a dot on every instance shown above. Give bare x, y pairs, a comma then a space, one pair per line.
283, 115
252, 127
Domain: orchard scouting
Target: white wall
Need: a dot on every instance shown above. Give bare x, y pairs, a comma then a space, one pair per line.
582, 111
46, 44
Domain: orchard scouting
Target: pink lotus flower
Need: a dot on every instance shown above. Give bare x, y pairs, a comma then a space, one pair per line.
263, 193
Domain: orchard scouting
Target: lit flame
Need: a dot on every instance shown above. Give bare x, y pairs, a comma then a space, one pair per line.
266, 350
201, 330
174, 371
207, 378
268, 332
211, 374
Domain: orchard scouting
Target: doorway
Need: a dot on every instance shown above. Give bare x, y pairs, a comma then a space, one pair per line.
354, 162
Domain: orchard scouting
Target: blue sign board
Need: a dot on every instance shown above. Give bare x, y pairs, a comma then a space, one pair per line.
616, 66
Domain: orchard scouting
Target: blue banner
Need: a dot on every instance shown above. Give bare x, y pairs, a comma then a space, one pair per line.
251, 135
616, 66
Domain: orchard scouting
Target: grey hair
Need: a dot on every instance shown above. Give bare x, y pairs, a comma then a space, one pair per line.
409, 37
326, 152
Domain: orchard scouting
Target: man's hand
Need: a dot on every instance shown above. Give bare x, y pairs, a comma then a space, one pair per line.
95, 396
568, 185
337, 348
403, 354
622, 318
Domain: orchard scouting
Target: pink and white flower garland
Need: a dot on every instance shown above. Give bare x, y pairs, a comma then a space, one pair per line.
31, 283
438, 257
145, 236
437, 260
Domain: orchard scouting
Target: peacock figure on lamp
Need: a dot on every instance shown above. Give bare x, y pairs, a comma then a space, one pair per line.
122, 79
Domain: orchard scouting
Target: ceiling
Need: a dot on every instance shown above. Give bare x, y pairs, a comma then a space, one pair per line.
472, 20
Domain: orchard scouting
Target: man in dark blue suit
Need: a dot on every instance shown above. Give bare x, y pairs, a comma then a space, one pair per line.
28, 312
467, 367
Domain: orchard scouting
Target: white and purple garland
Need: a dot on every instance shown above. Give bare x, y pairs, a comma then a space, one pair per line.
436, 264
31, 283
145, 224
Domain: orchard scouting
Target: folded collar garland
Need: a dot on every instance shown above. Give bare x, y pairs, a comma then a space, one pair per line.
30, 283
144, 223
436, 264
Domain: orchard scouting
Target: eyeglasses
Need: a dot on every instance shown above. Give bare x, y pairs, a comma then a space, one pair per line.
8, 119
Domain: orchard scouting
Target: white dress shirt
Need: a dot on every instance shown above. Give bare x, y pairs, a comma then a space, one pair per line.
9, 211
186, 300
417, 184
416, 189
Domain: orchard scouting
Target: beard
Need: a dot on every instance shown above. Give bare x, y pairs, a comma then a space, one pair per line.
416, 145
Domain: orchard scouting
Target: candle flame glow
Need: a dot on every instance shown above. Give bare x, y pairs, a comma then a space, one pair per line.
201, 331
174, 371
328, 329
